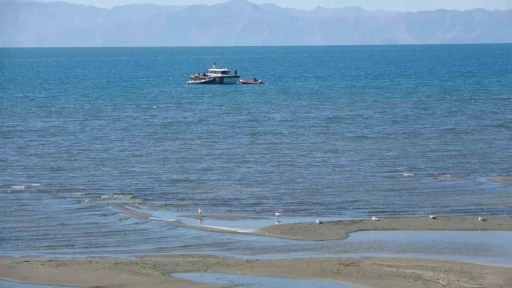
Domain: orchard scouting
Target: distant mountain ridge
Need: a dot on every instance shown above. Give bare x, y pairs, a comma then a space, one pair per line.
239, 23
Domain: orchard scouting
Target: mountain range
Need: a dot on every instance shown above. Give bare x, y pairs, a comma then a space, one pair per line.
240, 23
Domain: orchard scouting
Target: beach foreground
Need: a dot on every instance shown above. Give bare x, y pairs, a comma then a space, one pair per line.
154, 271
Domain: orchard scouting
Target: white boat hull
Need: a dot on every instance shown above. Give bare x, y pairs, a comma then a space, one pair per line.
226, 79
201, 81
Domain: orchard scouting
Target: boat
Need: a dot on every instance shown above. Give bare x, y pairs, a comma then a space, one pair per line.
201, 80
222, 75
255, 81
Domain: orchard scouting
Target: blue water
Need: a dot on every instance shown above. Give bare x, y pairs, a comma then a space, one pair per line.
245, 281
341, 132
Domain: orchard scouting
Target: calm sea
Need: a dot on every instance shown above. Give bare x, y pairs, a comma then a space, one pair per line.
342, 132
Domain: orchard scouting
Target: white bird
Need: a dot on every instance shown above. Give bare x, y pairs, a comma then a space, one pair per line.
482, 219
375, 218
432, 217
277, 213
200, 212
319, 222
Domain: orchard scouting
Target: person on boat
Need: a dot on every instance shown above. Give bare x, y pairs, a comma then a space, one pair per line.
255, 80
236, 72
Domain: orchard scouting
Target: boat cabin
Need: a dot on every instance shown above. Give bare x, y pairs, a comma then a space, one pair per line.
219, 71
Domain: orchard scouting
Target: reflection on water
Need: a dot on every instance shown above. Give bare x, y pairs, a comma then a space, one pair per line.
257, 281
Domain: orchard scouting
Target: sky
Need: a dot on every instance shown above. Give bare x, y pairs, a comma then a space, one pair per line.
391, 5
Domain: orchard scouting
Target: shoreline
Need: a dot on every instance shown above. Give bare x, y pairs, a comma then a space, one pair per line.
155, 271
341, 229
383, 272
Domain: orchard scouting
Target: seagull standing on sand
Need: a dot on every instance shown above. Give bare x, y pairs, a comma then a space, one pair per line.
319, 222
432, 217
482, 219
375, 218
277, 215
200, 212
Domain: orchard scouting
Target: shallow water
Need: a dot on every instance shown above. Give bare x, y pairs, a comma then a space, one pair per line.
257, 281
10, 284
157, 235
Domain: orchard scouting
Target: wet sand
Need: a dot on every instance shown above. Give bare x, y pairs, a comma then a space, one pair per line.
154, 271
337, 230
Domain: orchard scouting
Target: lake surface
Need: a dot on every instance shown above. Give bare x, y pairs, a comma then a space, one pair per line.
335, 132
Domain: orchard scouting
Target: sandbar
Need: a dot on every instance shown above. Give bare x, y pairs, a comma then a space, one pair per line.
132, 212
338, 230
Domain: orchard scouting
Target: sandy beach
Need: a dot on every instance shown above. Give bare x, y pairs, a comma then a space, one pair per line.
154, 271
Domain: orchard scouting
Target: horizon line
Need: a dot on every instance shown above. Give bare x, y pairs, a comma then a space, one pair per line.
255, 46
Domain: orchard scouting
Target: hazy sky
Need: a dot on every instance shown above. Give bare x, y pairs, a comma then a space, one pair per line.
395, 5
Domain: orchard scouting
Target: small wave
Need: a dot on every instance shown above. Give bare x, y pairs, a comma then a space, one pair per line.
33, 185
110, 198
18, 187
408, 174
157, 205
445, 176
79, 193
119, 197
181, 181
